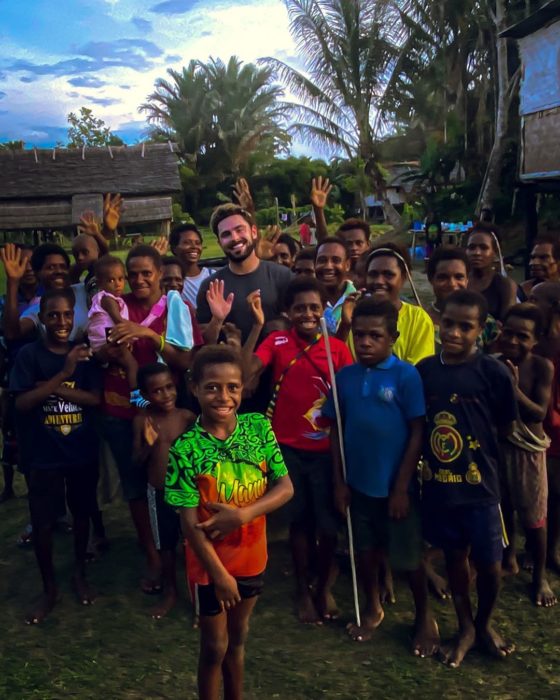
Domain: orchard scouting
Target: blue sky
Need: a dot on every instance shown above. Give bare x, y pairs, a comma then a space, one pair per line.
56, 56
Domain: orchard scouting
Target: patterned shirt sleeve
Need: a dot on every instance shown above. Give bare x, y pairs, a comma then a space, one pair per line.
180, 486
273, 456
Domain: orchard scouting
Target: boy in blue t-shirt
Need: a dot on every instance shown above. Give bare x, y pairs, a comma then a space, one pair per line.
56, 390
470, 404
382, 409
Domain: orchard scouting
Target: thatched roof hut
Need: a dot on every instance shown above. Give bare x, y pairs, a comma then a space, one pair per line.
50, 188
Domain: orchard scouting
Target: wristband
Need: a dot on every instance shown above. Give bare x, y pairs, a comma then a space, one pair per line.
161, 343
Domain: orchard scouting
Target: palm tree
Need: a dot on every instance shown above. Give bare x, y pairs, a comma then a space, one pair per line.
349, 49
178, 110
219, 114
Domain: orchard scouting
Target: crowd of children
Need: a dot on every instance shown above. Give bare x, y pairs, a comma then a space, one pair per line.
211, 392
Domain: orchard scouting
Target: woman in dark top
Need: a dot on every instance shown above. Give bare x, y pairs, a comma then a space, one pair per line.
483, 252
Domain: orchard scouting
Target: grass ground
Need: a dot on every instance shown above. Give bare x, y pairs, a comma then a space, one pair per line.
114, 650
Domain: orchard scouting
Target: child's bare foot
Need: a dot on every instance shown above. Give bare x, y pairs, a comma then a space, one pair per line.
370, 622
85, 593
306, 610
453, 654
45, 603
426, 637
326, 606
543, 595
493, 643
150, 586
167, 604
527, 564
437, 584
195, 621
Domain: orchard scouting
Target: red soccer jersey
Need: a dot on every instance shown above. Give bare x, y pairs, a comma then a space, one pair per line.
297, 420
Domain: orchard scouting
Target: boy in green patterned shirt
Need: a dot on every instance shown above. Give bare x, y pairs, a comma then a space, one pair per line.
217, 477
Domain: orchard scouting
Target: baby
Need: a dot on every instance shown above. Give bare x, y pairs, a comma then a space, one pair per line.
107, 306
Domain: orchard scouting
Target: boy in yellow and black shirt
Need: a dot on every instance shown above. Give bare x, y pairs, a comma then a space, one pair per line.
470, 404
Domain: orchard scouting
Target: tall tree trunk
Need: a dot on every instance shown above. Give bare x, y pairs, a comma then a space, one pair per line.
504, 94
391, 215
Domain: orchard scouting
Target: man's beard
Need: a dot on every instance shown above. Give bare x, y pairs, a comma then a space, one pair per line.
249, 248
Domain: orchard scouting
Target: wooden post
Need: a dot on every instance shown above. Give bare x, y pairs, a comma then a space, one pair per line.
531, 223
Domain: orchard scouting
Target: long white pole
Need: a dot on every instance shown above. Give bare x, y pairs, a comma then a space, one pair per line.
327, 340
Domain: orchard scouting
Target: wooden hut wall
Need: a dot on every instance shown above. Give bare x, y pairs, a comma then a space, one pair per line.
39, 214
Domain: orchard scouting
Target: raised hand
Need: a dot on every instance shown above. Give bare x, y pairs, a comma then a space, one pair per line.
348, 308
112, 205
232, 334
89, 224
79, 353
219, 305
161, 244
149, 432
266, 243
242, 193
320, 190
255, 304
14, 261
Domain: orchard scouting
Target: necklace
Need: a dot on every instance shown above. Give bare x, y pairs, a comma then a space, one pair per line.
443, 362
434, 307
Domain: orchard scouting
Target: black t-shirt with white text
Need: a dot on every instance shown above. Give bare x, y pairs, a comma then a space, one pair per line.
466, 405
57, 433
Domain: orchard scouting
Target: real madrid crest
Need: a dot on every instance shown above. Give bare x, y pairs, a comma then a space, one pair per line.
473, 475
446, 441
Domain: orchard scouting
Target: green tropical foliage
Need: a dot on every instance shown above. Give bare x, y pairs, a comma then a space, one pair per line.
349, 50
87, 130
221, 115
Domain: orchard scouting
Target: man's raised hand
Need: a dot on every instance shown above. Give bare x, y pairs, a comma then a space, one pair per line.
266, 243
161, 244
320, 190
112, 205
219, 305
89, 224
242, 193
13, 260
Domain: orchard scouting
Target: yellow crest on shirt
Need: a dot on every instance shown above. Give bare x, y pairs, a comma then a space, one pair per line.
446, 441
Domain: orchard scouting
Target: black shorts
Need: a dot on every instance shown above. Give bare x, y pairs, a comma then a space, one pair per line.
478, 527
164, 520
311, 475
51, 489
206, 603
